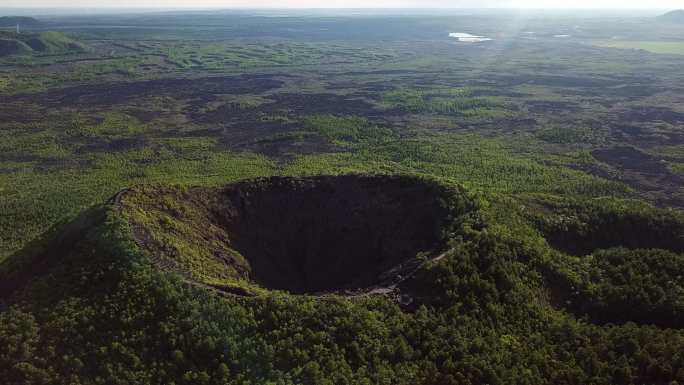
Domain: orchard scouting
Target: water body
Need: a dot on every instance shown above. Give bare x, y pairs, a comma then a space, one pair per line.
468, 38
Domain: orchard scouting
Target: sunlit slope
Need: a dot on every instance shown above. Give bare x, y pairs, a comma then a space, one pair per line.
12, 43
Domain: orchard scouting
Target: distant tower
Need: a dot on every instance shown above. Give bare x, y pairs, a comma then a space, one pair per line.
17, 28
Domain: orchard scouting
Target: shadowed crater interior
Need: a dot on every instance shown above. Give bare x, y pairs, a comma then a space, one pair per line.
328, 233
302, 235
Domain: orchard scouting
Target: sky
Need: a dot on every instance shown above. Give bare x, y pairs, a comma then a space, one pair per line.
661, 4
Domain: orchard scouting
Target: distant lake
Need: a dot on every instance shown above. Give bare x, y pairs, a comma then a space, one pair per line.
468, 38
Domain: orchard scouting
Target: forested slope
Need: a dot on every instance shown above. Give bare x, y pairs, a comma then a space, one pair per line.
87, 305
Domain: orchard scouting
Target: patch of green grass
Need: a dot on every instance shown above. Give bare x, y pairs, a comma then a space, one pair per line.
572, 135
343, 130
113, 125
677, 168
449, 101
122, 66
31, 145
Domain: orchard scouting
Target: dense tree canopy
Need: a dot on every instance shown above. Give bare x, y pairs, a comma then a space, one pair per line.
484, 314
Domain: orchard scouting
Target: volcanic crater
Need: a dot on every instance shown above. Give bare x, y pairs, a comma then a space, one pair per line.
301, 235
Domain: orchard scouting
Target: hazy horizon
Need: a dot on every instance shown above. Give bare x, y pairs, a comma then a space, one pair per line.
53, 11
343, 4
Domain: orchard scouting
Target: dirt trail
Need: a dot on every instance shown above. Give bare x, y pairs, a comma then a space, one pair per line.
392, 290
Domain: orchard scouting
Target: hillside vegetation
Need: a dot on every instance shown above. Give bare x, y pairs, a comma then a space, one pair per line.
499, 306
12, 43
